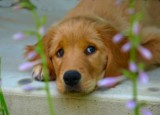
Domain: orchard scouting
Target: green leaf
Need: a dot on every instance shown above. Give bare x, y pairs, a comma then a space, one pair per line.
29, 33
141, 66
126, 73
27, 4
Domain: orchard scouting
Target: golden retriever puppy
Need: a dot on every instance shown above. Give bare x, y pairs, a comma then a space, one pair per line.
80, 50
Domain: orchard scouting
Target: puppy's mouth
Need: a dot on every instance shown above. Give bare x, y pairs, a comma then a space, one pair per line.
74, 89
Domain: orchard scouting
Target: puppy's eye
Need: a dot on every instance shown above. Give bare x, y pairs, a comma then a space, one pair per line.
60, 53
90, 50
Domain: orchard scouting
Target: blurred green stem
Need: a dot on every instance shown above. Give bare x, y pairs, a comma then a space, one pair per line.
44, 63
3, 104
132, 38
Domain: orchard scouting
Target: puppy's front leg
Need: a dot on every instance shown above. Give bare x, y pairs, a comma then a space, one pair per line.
37, 72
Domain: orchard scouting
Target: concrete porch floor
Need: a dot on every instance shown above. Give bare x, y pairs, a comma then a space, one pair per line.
108, 102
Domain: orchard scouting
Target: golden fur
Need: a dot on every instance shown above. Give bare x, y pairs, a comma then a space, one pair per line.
94, 23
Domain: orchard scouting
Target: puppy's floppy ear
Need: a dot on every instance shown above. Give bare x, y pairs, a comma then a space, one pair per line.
46, 47
117, 59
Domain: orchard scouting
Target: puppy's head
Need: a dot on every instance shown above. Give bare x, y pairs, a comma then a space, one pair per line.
80, 52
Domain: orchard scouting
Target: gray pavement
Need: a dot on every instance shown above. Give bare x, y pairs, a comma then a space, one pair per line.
35, 103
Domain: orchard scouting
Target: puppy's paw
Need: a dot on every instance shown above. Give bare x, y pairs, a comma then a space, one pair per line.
37, 73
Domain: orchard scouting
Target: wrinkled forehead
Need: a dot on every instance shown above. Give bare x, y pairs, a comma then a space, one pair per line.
70, 34
76, 30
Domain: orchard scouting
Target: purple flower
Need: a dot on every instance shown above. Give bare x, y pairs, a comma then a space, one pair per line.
131, 104
25, 4
143, 77
145, 52
106, 82
31, 87
117, 38
17, 7
19, 36
126, 47
110, 81
131, 11
41, 30
136, 28
28, 65
132, 67
118, 2
31, 55
146, 111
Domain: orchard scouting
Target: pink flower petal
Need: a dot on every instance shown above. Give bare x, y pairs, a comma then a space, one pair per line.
28, 65
143, 77
117, 38
131, 104
145, 52
132, 67
19, 36
126, 47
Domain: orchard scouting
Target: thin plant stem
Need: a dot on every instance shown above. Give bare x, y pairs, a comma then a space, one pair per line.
36, 18
44, 64
134, 82
3, 103
134, 77
135, 92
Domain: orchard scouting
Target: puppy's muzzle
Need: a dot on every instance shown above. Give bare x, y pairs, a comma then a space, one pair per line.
72, 78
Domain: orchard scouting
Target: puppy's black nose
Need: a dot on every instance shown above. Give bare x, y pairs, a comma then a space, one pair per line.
72, 78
